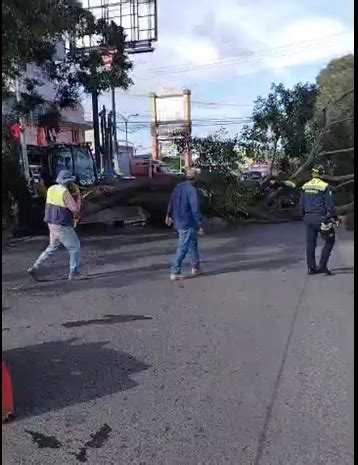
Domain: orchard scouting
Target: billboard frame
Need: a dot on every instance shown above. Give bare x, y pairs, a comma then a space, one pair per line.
113, 10
176, 129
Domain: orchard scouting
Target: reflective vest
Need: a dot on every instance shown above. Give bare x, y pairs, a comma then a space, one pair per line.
316, 199
55, 210
315, 186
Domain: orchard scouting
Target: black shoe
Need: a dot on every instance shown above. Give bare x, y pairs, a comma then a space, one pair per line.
312, 271
33, 273
325, 270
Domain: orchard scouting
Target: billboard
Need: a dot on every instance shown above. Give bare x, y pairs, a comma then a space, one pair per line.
138, 18
171, 120
170, 109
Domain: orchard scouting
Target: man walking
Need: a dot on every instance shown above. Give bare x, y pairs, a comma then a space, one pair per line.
184, 213
61, 208
318, 211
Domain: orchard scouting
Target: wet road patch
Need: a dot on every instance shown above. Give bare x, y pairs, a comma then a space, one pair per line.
44, 441
97, 441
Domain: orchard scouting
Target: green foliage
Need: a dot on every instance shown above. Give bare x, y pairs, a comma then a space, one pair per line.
282, 123
86, 71
227, 197
335, 103
172, 162
31, 30
215, 153
333, 82
16, 199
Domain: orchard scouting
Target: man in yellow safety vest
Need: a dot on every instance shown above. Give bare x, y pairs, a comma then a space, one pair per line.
61, 209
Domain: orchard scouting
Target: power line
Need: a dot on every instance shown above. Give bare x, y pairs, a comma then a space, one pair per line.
249, 53
194, 102
196, 120
250, 56
195, 123
222, 104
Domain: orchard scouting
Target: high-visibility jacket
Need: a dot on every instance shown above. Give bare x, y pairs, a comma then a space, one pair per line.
316, 200
55, 210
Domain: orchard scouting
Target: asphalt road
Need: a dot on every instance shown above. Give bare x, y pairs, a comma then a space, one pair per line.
249, 364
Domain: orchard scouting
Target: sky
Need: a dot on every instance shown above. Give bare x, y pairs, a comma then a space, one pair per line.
229, 53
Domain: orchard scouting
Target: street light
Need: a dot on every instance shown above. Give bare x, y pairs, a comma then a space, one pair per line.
126, 120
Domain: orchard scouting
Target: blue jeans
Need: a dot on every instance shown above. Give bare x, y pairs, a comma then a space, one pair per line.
66, 236
188, 243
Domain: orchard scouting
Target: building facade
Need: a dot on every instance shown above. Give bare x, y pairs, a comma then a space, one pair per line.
71, 125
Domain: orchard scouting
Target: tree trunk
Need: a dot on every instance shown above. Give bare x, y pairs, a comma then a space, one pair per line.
344, 209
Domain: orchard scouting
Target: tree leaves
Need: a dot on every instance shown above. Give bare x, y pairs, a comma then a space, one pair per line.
282, 123
336, 102
216, 152
31, 31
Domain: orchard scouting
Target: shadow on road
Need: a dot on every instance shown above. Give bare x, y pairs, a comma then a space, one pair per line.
106, 320
347, 270
226, 262
58, 374
243, 249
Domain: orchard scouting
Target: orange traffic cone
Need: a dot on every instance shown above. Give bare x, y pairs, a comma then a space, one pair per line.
7, 399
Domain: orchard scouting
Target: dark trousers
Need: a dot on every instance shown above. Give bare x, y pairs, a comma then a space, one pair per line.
329, 237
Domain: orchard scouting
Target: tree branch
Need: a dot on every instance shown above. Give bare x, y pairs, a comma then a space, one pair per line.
316, 146
341, 97
331, 152
343, 177
345, 183
313, 153
343, 209
340, 121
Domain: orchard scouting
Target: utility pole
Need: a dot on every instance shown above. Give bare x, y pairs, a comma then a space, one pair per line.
114, 118
126, 129
109, 154
103, 147
126, 121
97, 147
187, 128
107, 140
23, 146
154, 128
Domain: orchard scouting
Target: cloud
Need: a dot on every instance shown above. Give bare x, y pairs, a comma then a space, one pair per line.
246, 37
200, 51
258, 35
322, 38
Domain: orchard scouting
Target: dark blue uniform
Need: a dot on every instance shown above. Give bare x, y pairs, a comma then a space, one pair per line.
317, 207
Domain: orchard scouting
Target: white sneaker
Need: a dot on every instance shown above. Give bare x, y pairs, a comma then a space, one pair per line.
196, 271
176, 277
75, 277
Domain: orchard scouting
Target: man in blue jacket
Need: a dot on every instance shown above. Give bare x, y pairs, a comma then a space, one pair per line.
319, 215
184, 213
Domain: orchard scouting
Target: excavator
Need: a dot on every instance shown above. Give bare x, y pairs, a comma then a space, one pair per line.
109, 198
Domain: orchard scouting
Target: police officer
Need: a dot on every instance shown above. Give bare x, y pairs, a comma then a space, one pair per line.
319, 215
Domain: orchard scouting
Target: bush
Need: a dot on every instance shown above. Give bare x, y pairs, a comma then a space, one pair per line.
225, 196
173, 163
16, 198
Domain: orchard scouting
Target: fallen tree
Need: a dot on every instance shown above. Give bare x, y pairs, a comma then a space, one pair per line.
226, 198
150, 194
